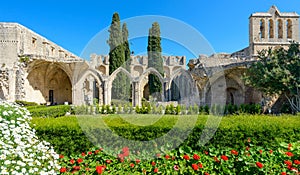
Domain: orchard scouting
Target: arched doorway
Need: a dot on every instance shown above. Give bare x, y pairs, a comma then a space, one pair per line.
48, 83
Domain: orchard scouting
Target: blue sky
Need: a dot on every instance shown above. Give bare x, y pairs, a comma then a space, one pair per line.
72, 24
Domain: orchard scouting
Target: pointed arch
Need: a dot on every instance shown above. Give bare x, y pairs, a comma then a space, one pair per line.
289, 29
279, 29
262, 28
271, 28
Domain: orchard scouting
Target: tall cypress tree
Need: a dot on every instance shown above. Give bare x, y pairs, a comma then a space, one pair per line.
117, 58
126, 46
116, 52
155, 59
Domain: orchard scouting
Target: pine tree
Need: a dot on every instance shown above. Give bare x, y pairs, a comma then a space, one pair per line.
155, 59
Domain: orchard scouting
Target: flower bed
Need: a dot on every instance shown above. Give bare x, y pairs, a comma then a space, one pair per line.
20, 150
248, 160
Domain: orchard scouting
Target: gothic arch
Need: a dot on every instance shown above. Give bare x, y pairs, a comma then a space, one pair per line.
271, 28
262, 27
289, 30
279, 29
151, 70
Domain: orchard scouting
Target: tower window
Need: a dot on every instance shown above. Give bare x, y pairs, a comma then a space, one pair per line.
289, 29
262, 28
279, 29
271, 28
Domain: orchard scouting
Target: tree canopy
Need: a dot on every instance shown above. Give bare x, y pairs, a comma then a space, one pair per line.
278, 72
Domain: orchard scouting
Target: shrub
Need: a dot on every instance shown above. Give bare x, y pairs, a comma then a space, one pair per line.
26, 103
50, 111
21, 150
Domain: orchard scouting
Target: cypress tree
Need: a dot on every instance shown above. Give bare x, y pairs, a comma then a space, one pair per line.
117, 58
116, 52
126, 45
155, 59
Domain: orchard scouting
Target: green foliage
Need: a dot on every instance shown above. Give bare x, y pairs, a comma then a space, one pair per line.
155, 60
25, 103
277, 72
233, 131
50, 111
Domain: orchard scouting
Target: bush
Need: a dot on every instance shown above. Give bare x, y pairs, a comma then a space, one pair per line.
26, 103
50, 111
233, 131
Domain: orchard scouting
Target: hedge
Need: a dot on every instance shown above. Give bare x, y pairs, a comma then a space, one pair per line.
49, 111
67, 137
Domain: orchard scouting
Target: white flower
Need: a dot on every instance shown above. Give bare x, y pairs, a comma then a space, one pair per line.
5, 113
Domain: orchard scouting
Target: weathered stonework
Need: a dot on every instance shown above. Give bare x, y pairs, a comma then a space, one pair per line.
36, 69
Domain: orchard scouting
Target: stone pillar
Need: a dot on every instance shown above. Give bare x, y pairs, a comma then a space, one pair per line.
136, 95
106, 93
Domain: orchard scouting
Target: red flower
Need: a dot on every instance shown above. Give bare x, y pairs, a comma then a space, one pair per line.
259, 165
126, 154
195, 167
186, 157
234, 152
205, 152
125, 149
137, 161
76, 168
83, 154
61, 156
167, 157
108, 161
271, 151
72, 161
176, 167
290, 145
157, 155
155, 170
89, 153
63, 170
216, 159
247, 148
97, 151
260, 151
79, 160
225, 158
196, 157
283, 173
289, 154
200, 165
87, 169
153, 163
131, 165
297, 162
206, 173
100, 169
288, 163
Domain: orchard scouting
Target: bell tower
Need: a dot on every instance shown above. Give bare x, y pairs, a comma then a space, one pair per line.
272, 29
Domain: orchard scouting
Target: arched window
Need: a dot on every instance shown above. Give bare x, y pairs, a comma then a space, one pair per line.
289, 30
271, 28
279, 29
262, 29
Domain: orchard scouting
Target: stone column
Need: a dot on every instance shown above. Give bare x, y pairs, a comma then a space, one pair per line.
106, 92
136, 95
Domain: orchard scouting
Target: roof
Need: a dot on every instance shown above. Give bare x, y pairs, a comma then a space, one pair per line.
274, 11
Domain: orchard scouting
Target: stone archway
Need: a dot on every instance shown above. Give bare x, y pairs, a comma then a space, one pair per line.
48, 83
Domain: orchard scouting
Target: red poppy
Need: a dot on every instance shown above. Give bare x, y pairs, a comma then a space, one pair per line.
97, 151
205, 152
137, 161
72, 161
289, 154
283, 173
288, 163
100, 169
89, 153
195, 167
108, 161
271, 151
155, 170
76, 168
83, 154
167, 157
216, 159
234, 152
126, 153
200, 165
131, 165
260, 151
290, 145
259, 165
196, 157
63, 170
225, 158
297, 162
153, 163
206, 173
61, 156
79, 160
125, 149
247, 148
186, 157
